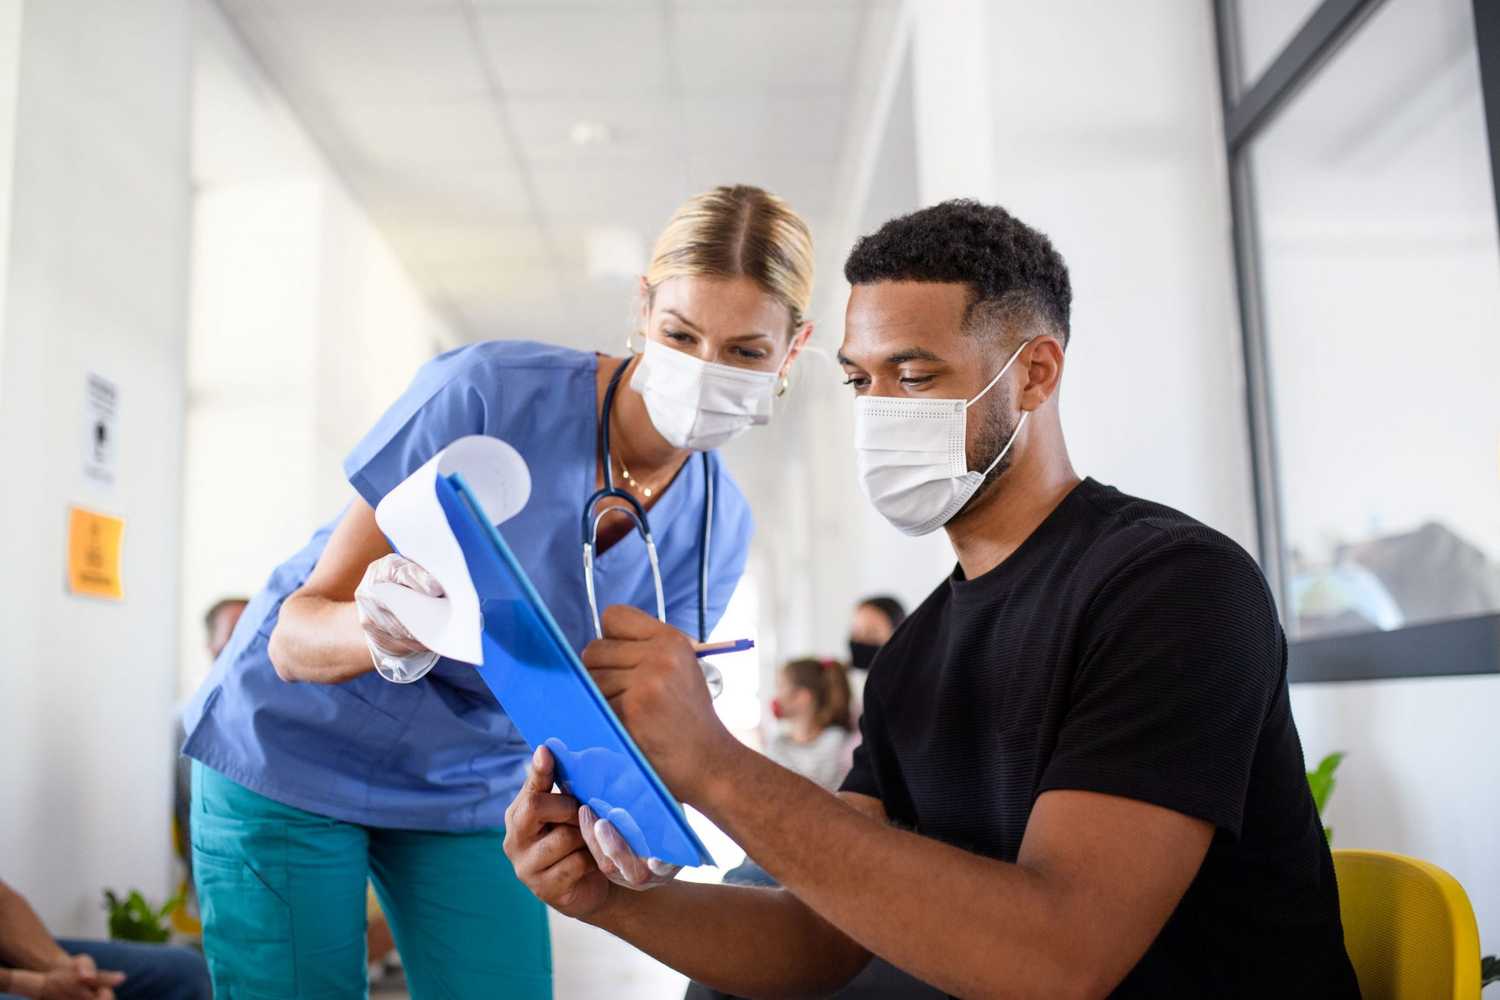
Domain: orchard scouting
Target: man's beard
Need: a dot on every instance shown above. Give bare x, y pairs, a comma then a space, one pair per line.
994, 432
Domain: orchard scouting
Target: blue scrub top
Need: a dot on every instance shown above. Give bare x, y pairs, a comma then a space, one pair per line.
440, 754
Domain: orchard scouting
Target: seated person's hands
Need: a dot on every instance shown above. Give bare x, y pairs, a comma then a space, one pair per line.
75, 979
547, 848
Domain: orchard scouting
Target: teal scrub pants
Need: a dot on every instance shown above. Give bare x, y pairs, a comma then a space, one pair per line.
282, 896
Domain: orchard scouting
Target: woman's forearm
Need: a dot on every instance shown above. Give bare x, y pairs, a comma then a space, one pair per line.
318, 640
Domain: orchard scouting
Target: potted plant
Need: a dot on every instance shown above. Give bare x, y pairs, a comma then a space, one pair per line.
133, 919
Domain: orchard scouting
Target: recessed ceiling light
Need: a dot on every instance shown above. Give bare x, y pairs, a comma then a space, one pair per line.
589, 133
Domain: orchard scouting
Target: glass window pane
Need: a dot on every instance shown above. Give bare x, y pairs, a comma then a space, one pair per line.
1265, 26
1382, 306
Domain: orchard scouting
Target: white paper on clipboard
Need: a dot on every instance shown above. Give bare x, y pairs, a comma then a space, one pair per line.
413, 520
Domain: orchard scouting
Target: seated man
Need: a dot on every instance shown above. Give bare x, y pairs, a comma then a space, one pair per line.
34, 964
1080, 776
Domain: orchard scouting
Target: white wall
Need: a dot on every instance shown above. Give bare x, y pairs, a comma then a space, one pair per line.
1419, 777
10, 64
95, 282
304, 329
1109, 141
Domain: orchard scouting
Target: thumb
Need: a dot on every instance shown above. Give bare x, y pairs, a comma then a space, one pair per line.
109, 979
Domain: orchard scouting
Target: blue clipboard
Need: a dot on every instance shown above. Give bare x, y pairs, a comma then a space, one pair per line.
548, 693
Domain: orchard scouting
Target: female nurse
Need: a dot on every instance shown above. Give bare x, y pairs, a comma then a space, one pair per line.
313, 771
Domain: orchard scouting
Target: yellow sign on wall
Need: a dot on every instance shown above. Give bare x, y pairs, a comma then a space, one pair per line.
94, 554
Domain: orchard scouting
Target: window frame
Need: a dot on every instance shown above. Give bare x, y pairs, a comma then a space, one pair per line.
1460, 646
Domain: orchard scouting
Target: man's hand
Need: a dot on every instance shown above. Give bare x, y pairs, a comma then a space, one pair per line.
546, 847
648, 672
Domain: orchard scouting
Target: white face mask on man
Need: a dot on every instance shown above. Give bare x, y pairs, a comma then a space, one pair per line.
698, 404
912, 459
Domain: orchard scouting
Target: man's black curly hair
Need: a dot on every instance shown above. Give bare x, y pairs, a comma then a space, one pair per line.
1012, 270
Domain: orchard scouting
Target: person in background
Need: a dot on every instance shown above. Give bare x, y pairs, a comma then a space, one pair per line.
811, 708
875, 621
35, 964
220, 621
810, 730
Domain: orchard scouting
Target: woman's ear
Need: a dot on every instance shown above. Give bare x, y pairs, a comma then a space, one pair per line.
643, 306
799, 341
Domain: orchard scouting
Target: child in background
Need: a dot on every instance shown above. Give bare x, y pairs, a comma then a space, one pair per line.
813, 724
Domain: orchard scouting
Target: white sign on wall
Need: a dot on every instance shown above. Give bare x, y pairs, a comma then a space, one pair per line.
101, 405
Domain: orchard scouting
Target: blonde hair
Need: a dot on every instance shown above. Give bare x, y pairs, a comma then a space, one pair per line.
737, 231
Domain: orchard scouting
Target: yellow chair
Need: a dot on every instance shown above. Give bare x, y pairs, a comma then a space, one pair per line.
1408, 927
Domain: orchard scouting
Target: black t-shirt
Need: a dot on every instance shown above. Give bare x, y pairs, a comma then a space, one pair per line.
1123, 648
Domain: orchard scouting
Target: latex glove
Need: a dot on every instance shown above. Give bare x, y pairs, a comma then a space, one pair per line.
616, 860
397, 654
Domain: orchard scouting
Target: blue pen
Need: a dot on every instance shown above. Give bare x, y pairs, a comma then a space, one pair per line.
703, 649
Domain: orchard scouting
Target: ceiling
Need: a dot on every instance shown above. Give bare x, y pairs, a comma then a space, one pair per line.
520, 157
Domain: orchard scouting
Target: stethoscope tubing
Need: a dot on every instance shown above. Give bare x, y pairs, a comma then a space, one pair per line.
636, 511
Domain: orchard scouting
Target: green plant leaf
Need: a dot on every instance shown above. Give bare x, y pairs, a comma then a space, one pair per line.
1321, 781
134, 919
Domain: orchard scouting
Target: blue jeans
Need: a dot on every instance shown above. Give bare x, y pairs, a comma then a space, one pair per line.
152, 971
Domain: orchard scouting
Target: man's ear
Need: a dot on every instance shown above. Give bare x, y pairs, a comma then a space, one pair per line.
1043, 359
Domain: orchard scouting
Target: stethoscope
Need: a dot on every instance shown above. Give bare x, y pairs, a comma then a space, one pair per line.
636, 511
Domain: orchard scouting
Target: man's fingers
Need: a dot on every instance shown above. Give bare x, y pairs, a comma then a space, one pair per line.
613, 654
539, 773
109, 979
553, 846
611, 683
559, 881
621, 621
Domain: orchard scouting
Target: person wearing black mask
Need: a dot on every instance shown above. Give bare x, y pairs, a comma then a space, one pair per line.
875, 620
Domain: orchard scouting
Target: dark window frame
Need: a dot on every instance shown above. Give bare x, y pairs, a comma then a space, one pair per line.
1459, 646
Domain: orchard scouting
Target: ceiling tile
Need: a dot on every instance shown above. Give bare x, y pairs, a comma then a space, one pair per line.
442, 197
380, 54
640, 131
802, 50
639, 198
426, 134
473, 246
806, 185
809, 126
562, 52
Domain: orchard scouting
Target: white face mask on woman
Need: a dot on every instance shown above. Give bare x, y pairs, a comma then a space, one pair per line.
698, 404
912, 459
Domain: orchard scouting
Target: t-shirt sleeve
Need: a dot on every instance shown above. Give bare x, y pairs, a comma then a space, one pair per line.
1181, 658
729, 547
441, 405
861, 777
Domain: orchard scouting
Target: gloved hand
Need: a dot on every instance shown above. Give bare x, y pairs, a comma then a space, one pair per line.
616, 860
397, 654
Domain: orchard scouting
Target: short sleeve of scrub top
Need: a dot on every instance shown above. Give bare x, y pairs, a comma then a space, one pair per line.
441, 405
